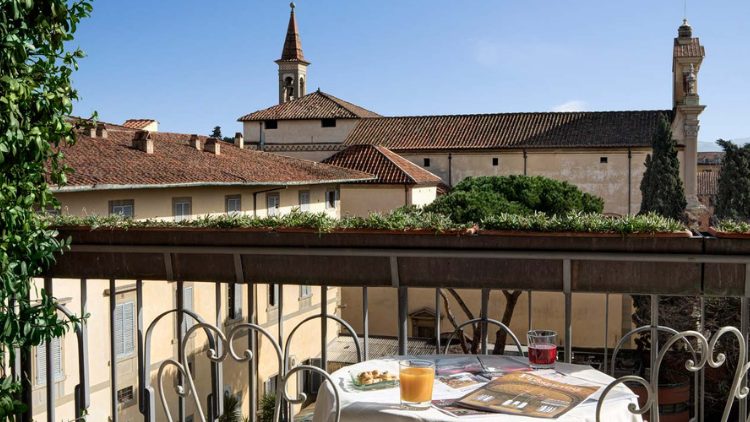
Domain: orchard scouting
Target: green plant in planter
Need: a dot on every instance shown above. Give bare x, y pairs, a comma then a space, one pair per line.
232, 408
267, 407
36, 97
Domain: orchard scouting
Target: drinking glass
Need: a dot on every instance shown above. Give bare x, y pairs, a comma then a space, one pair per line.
542, 349
416, 378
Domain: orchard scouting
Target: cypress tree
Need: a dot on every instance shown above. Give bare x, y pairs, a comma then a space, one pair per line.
661, 188
733, 195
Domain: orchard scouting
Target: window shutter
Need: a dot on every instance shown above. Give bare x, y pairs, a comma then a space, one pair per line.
41, 360
119, 350
128, 321
237, 300
188, 303
41, 364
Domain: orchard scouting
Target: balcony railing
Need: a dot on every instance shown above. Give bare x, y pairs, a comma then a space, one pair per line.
697, 266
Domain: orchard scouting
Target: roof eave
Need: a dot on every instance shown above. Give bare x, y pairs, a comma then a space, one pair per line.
103, 187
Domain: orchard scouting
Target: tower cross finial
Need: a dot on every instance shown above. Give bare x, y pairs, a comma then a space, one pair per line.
292, 5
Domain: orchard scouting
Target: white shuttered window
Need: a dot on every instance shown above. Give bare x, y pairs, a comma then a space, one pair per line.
187, 321
124, 329
41, 360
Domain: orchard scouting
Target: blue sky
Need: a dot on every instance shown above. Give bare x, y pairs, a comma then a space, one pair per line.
193, 64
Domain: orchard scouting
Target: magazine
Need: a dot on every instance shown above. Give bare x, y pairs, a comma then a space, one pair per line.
462, 381
449, 407
455, 365
525, 394
497, 366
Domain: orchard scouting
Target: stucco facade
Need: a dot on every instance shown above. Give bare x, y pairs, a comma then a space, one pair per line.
362, 199
306, 139
160, 296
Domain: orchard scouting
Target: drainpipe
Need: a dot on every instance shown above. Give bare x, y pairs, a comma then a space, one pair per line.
524, 162
630, 172
406, 195
450, 170
255, 197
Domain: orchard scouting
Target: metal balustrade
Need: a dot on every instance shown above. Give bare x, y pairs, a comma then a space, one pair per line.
220, 348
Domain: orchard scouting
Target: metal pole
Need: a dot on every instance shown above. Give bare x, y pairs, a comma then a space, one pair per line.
366, 323
530, 313
403, 329
324, 328
606, 332
83, 399
700, 392
142, 372
180, 337
50, 362
567, 282
252, 345
483, 325
216, 368
744, 302
113, 348
654, 337
437, 321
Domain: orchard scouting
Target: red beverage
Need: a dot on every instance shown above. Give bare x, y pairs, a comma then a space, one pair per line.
542, 354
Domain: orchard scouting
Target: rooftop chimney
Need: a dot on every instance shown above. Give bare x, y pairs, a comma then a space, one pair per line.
143, 142
101, 130
239, 142
213, 146
195, 142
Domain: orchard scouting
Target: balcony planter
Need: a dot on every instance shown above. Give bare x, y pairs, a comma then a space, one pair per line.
447, 232
727, 235
674, 396
683, 233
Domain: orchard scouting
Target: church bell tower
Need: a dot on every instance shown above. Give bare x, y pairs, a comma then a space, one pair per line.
292, 64
686, 63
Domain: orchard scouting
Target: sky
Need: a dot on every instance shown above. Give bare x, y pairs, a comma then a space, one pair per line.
193, 65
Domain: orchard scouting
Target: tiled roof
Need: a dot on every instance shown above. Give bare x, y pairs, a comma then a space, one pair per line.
510, 130
138, 123
317, 105
708, 183
692, 49
292, 51
390, 168
106, 163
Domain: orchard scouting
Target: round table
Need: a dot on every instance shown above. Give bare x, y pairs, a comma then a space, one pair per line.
383, 405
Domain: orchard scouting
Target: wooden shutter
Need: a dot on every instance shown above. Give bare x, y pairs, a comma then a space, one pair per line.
128, 328
119, 349
188, 304
41, 360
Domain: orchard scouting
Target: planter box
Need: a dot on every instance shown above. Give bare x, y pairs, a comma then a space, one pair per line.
727, 235
350, 258
683, 233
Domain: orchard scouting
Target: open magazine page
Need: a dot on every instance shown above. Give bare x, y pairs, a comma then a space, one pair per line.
525, 394
458, 364
449, 407
620, 393
496, 366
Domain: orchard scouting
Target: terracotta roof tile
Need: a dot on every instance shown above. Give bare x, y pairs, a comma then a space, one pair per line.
137, 123
692, 49
708, 183
292, 51
112, 161
317, 105
389, 167
510, 130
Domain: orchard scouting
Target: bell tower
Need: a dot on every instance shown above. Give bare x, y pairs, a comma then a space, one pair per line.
686, 64
292, 64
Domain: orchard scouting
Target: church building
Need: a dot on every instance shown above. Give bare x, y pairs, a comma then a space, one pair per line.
602, 152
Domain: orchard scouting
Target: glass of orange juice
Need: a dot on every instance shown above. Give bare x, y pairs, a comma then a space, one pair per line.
416, 378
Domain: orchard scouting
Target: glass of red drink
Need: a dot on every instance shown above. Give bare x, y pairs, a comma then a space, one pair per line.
542, 348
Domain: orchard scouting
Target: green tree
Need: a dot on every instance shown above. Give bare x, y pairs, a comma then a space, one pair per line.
733, 195
475, 198
216, 133
35, 97
661, 188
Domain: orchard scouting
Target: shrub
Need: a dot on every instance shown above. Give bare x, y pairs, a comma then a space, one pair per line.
661, 187
476, 198
733, 195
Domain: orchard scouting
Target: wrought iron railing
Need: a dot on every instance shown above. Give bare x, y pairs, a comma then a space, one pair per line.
220, 347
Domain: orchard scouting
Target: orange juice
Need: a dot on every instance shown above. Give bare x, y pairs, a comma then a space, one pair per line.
416, 384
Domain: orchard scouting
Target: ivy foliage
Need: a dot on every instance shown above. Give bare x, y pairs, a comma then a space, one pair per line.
661, 188
733, 194
35, 97
477, 198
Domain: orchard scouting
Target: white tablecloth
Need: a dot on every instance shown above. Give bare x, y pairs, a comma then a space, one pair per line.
383, 405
